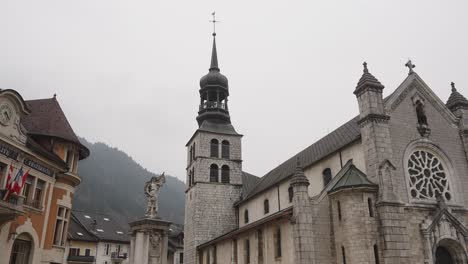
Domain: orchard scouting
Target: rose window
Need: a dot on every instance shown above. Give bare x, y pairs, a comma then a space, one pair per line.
428, 177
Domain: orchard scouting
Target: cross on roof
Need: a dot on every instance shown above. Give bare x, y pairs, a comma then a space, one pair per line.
214, 21
410, 66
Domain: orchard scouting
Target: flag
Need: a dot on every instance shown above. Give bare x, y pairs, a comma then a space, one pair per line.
18, 182
10, 171
8, 182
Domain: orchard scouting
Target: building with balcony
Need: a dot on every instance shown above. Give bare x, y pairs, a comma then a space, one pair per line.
36, 137
101, 239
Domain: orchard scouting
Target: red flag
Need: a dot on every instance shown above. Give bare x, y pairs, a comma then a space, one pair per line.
10, 171
18, 183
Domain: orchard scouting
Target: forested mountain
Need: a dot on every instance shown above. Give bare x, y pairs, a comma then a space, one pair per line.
112, 184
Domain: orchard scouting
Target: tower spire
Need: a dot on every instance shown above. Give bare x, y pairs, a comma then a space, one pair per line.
214, 55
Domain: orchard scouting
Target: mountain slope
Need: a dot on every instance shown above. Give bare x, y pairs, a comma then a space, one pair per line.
112, 183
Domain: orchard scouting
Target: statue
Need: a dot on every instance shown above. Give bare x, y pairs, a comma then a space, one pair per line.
151, 191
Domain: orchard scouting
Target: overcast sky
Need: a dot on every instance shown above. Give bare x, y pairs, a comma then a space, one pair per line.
126, 72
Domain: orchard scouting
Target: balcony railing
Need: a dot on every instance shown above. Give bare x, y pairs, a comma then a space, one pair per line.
211, 105
118, 256
11, 207
86, 259
34, 204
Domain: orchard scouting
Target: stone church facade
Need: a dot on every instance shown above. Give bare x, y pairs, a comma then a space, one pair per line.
387, 187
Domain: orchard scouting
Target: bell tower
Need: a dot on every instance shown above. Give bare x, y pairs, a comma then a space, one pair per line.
214, 166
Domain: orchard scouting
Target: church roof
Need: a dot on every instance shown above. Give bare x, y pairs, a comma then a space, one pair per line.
47, 119
339, 138
456, 100
351, 177
249, 182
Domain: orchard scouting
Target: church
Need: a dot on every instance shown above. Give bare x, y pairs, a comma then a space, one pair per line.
385, 187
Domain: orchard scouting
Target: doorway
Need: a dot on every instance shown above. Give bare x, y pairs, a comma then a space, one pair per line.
21, 251
443, 256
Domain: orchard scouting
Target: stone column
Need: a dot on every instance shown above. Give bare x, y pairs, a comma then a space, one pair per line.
149, 241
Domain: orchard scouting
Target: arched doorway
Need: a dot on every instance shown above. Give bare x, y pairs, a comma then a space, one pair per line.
21, 250
443, 256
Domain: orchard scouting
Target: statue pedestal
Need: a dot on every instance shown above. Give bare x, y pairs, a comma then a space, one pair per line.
148, 244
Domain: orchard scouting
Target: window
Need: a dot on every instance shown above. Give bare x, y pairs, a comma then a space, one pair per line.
291, 194
277, 242
193, 152
225, 174
246, 216
234, 246
193, 176
214, 254
260, 246
61, 226
74, 252
225, 149
38, 193
370, 206
190, 155
118, 249
376, 254
190, 177
2, 175
106, 249
338, 206
327, 176
70, 158
181, 257
343, 254
247, 251
27, 187
266, 206
208, 256
87, 252
214, 148
214, 173
427, 176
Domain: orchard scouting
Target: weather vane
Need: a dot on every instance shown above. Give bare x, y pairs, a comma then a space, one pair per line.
214, 21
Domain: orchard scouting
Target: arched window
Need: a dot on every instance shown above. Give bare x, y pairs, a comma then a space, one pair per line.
277, 242
327, 176
214, 148
225, 149
225, 174
266, 206
291, 194
246, 216
370, 206
214, 173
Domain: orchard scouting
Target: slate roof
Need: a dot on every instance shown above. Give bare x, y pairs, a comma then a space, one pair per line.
249, 182
94, 222
351, 177
47, 119
339, 138
76, 231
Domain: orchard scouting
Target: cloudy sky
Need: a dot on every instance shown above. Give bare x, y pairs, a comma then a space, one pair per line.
126, 72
